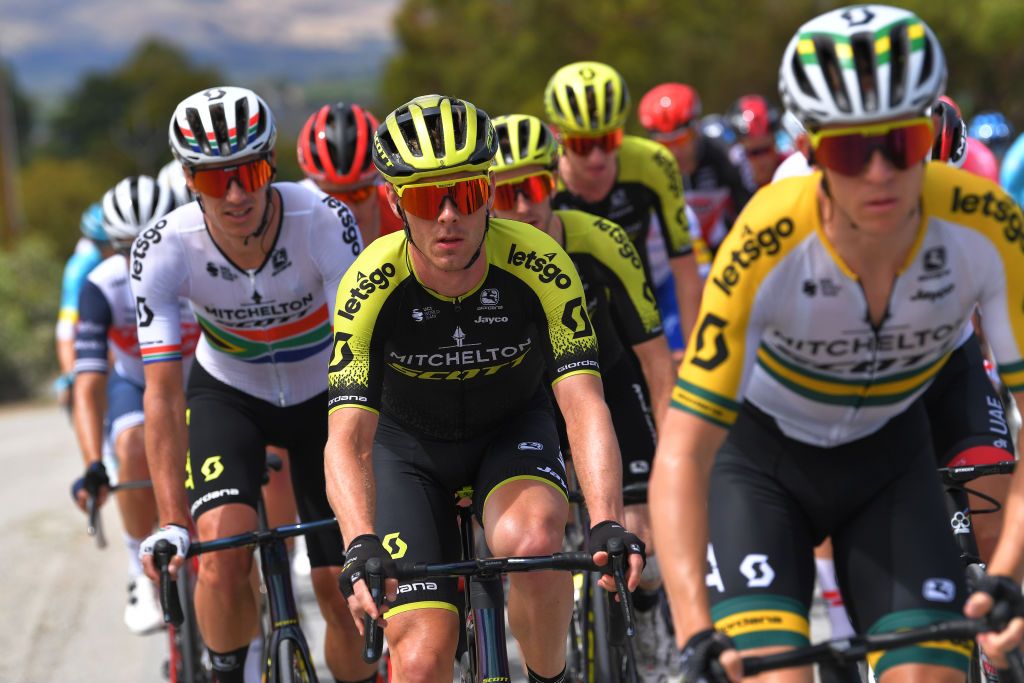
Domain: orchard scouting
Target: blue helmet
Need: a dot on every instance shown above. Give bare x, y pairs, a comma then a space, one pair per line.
92, 224
993, 129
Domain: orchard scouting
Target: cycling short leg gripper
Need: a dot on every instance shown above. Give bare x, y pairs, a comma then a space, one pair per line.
952, 654
762, 621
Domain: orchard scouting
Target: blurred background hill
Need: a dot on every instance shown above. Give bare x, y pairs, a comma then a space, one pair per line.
87, 87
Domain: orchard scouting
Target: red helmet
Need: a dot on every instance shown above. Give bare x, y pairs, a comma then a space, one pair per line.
981, 161
668, 107
950, 133
334, 145
753, 115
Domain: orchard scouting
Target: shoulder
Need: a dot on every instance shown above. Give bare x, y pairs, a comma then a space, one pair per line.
651, 164
112, 268
326, 218
529, 254
370, 280
604, 239
962, 198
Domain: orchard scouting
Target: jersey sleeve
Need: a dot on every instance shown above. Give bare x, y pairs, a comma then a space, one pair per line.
157, 279
94, 321
361, 325
666, 183
630, 293
76, 270
334, 242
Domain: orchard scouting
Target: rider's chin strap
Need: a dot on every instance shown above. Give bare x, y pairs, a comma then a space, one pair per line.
264, 221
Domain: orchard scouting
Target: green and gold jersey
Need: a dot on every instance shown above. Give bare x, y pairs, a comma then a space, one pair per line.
455, 367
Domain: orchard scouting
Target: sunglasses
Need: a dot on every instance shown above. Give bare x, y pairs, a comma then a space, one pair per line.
536, 188
356, 196
584, 144
678, 137
760, 151
424, 200
847, 151
251, 176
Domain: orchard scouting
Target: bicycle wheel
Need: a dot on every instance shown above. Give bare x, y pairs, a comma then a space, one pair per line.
579, 651
609, 659
292, 664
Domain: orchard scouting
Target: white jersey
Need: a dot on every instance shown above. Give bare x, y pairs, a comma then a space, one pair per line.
106, 324
266, 331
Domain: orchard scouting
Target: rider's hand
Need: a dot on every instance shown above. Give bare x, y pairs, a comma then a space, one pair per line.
352, 584
710, 656
1000, 597
94, 482
636, 552
178, 537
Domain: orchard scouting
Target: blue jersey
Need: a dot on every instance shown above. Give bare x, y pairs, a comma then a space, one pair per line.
86, 257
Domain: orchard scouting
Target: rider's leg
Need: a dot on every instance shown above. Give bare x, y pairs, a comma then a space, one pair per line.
422, 644
137, 506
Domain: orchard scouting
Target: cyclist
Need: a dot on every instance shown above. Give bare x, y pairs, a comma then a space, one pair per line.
756, 121
1011, 172
623, 178
334, 153
992, 128
442, 336
92, 247
260, 264
615, 287
107, 324
171, 179
715, 190
887, 256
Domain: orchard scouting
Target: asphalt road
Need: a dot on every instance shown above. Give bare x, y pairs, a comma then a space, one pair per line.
61, 597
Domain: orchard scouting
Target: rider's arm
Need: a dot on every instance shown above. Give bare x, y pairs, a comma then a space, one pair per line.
595, 450
166, 439
688, 289
90, 365
349, 468
656, 363
678, 500
1008, 557
334, 241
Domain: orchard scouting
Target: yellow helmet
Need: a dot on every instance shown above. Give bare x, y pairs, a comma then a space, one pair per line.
587, 98
430, 136
523, 141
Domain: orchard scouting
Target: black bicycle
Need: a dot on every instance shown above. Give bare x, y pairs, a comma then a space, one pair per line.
482, 655
286, 652
94, 525
955, 480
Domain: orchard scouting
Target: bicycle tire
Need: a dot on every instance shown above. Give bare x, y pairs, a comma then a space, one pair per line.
608, 659
292, 664
578, 652
187, 643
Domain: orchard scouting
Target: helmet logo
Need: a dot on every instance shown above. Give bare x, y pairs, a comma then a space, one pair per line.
587, 74
214, 95
858, 16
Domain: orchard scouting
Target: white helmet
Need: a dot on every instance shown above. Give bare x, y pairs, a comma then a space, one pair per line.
220, 125
861, 64
171, 179
131, 206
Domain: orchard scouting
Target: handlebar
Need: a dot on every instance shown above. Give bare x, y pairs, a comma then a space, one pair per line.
952, 476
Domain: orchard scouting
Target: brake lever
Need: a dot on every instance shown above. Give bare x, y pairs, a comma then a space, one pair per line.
617, 556
373, 634
163, 552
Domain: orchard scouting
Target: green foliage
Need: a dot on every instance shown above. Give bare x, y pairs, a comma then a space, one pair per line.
121, 116
27, 357
21, 109
55, 192
500, 54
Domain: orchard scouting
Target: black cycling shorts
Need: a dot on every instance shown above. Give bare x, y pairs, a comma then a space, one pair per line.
419, 480
228, 433
625, 392
773, 499
967, 416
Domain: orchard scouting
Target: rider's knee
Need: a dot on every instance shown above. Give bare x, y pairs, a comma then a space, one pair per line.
226, 569
427, 664
537, 532
332, 604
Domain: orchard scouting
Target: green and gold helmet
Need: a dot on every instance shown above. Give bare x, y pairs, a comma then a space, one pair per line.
587, 98
431, 136
524, 141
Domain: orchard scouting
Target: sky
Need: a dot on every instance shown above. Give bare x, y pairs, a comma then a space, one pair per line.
50, 43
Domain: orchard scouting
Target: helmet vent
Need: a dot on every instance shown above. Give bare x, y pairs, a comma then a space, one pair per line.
826, 49
801, 76
928, 67
220, 127
195, 124
524, 137
864, 66
898, 51
577, 116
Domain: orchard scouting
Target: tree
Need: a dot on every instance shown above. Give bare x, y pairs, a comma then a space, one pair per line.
500, 54
121, 117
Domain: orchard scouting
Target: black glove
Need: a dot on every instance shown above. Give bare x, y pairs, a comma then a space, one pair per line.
604, 531
1008, 602
361, 549
92, 481
700, 657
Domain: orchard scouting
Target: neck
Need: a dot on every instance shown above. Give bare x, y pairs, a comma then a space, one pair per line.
555, 229
450, 283
250, 252
591, 190
368, 217
865, 252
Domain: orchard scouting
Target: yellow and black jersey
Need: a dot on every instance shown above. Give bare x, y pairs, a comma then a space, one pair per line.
452, 368
614, 283
647, 181
784, 322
